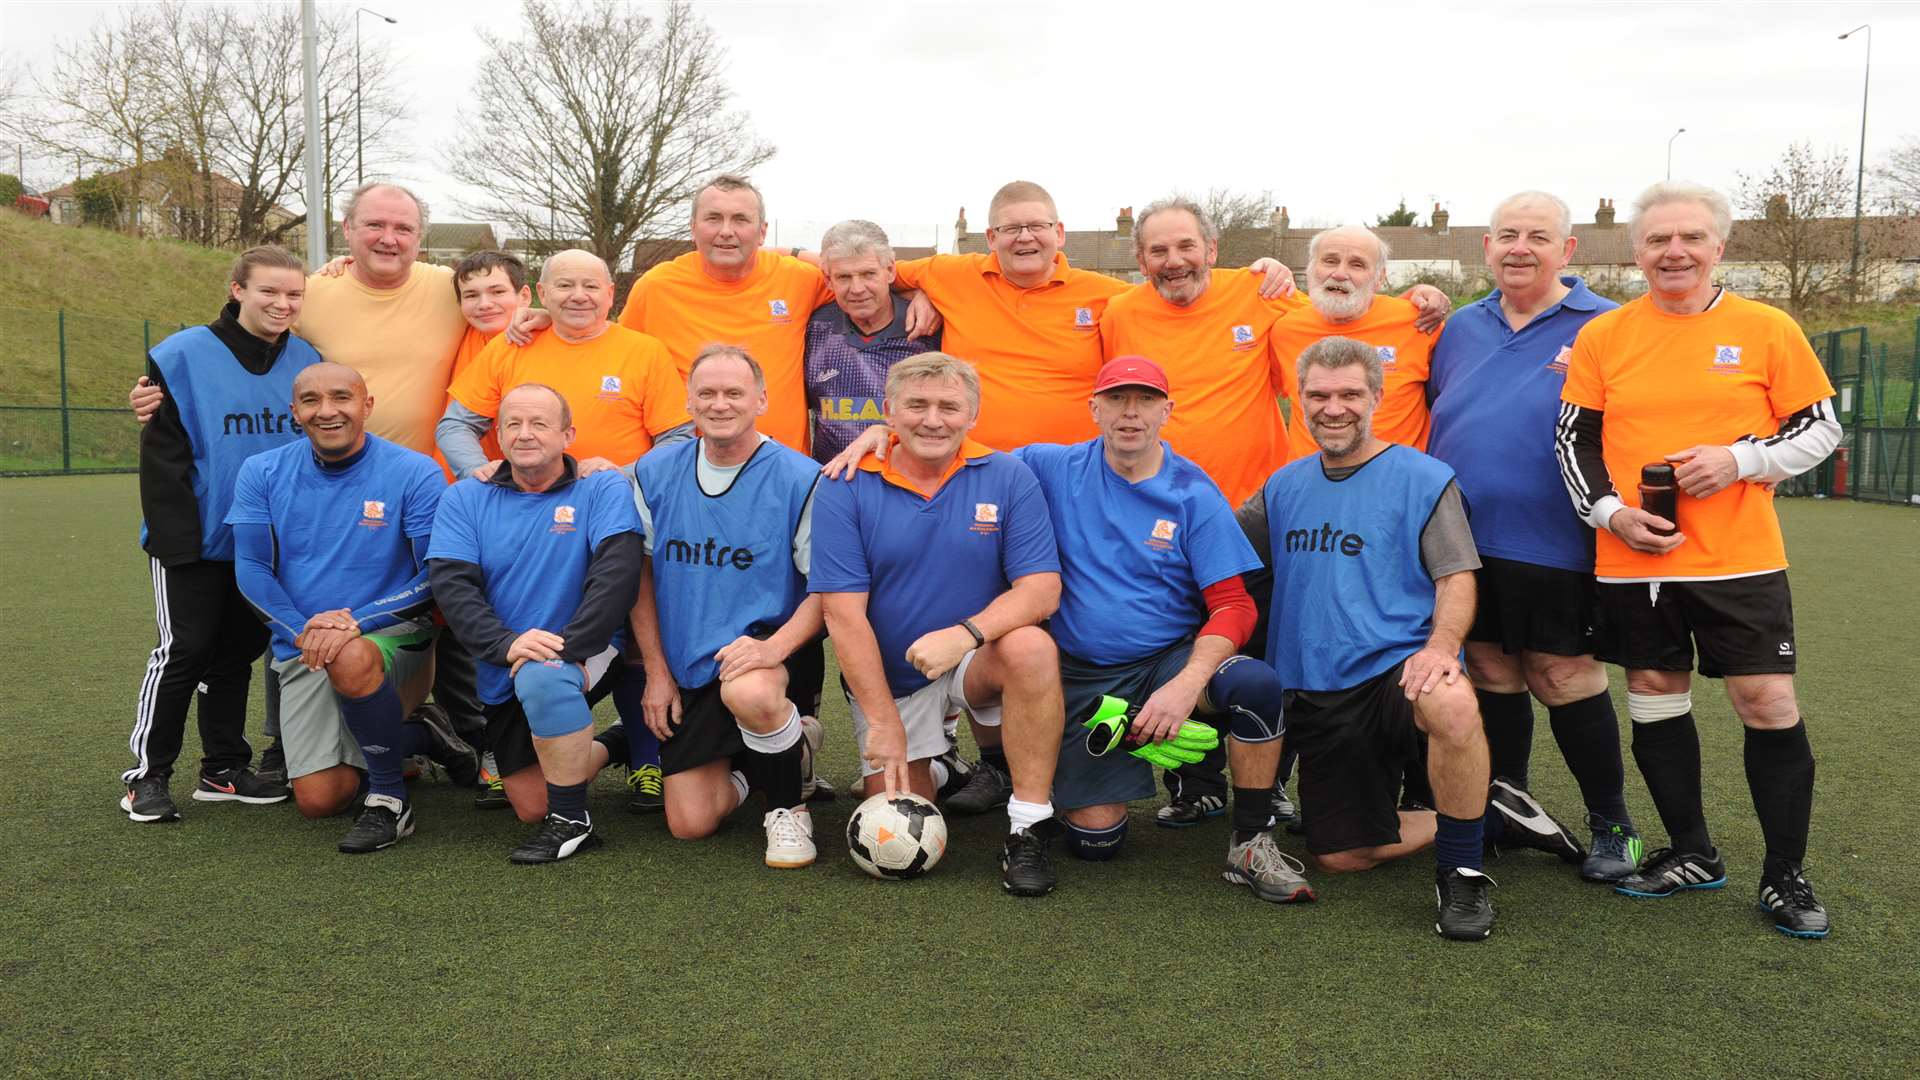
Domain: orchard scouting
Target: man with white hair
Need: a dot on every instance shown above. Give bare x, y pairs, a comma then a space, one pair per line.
1694, 388
1495, 388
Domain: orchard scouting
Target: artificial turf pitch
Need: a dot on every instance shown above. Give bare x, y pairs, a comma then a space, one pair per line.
238, 942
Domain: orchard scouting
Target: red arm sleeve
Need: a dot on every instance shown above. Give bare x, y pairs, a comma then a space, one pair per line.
1230, 611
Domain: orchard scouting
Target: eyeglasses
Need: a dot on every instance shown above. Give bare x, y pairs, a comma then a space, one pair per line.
1034, 227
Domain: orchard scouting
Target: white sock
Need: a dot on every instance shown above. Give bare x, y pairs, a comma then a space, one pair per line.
940, 773
740, 787
774, 741
1025, 815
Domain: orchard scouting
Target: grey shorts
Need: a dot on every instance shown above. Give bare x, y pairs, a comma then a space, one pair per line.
311, 730
1081, 779
924, 713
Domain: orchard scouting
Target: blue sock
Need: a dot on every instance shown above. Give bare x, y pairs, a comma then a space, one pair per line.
567, 800
1458, 842
643, 746
380, 728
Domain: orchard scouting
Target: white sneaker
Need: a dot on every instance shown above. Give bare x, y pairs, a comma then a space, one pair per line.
789, 838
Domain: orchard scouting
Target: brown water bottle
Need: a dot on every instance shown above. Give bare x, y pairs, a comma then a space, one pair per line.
1659, 496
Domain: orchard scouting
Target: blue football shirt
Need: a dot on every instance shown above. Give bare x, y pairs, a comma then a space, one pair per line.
532, 548
1134, 557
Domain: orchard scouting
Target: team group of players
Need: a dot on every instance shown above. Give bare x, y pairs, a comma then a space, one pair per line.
1009, 490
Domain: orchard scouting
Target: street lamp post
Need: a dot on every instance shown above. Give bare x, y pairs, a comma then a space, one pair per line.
1860, 177
1670, 139
359, 146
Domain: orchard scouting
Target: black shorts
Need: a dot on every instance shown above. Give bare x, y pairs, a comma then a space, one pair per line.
707, 732
1742, 626
509, 738
1525, 607
1354, 745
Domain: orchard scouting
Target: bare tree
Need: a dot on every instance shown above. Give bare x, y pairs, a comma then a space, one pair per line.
1229, 209
1899, 177
102, 112
1797, 225
599, 125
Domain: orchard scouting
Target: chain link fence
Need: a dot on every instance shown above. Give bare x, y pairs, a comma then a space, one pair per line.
63, 390
1877, 385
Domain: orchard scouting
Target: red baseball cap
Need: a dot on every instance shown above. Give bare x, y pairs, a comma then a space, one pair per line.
1131, 371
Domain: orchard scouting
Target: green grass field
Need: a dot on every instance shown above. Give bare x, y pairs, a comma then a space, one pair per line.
239, 942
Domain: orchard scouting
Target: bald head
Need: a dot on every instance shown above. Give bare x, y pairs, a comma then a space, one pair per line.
325, 375
576, 288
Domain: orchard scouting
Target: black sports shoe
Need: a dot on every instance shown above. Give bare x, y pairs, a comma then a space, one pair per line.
1466, 912
273, 764
1527, 823
1667, 871
148, 800
1614, 853
959, 774
1025, 867
383, 822
556, 839
447, 749
1186, 811
987, 789
1280, 806
240, 785
1795, 910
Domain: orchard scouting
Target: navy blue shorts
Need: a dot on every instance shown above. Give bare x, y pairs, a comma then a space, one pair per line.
1119, 777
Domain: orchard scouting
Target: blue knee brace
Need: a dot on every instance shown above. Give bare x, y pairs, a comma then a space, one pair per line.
552, 693
1094, 845
1249, 693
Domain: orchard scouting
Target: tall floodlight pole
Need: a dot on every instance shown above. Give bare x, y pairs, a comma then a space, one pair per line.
1670, 139
310, 79
359, 147
1860, 177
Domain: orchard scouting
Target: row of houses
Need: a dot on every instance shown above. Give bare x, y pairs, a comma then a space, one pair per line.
1441, 250
1437, 251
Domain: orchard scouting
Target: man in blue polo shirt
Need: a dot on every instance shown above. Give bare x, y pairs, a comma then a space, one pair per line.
536, 570
330, 540
723, 609
1495, 388
1152, 612
937, 565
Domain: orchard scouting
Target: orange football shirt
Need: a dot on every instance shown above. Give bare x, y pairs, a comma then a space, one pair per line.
470, 348
1225, 377
1669, 382
766, 312
1404, 352
1037, 350
622, 387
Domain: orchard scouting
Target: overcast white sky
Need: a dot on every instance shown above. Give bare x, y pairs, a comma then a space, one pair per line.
902, 112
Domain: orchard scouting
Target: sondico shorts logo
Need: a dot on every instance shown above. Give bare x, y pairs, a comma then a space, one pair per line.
1243, 336
1726, 358
562, 519
986, 518
1162, 536
373, 514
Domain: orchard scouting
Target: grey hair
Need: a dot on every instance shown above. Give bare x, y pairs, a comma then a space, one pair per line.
729, 182
855, 237
935, 365
721, 352
1563, 217
1208, 230
353, 201
1334, 353
1386, 253
1673, 191
566, 410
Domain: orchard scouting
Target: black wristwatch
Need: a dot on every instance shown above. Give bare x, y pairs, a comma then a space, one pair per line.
979, 638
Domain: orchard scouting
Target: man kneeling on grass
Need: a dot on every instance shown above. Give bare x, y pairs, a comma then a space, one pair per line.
536, 569
338, 524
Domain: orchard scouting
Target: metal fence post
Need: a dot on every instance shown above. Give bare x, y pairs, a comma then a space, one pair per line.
146, 335
66, 422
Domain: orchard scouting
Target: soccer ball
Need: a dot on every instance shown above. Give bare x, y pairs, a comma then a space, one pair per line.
898, 838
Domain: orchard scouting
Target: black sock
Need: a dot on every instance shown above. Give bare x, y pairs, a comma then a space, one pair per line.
1415, 787
615, 740
1252, 812
995, 756
776, 776
1780, 775
1668, 753
1588, 732
1288, 755
567, 800
1508, 719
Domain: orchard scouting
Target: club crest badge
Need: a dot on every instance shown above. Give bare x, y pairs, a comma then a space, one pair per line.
609, 384
779, 308
1387, 355
1242, 334
1163, 529
986, 513
1083, 318
1726, 356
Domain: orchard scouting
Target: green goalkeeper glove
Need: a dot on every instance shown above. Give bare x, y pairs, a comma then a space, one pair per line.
1109, 724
